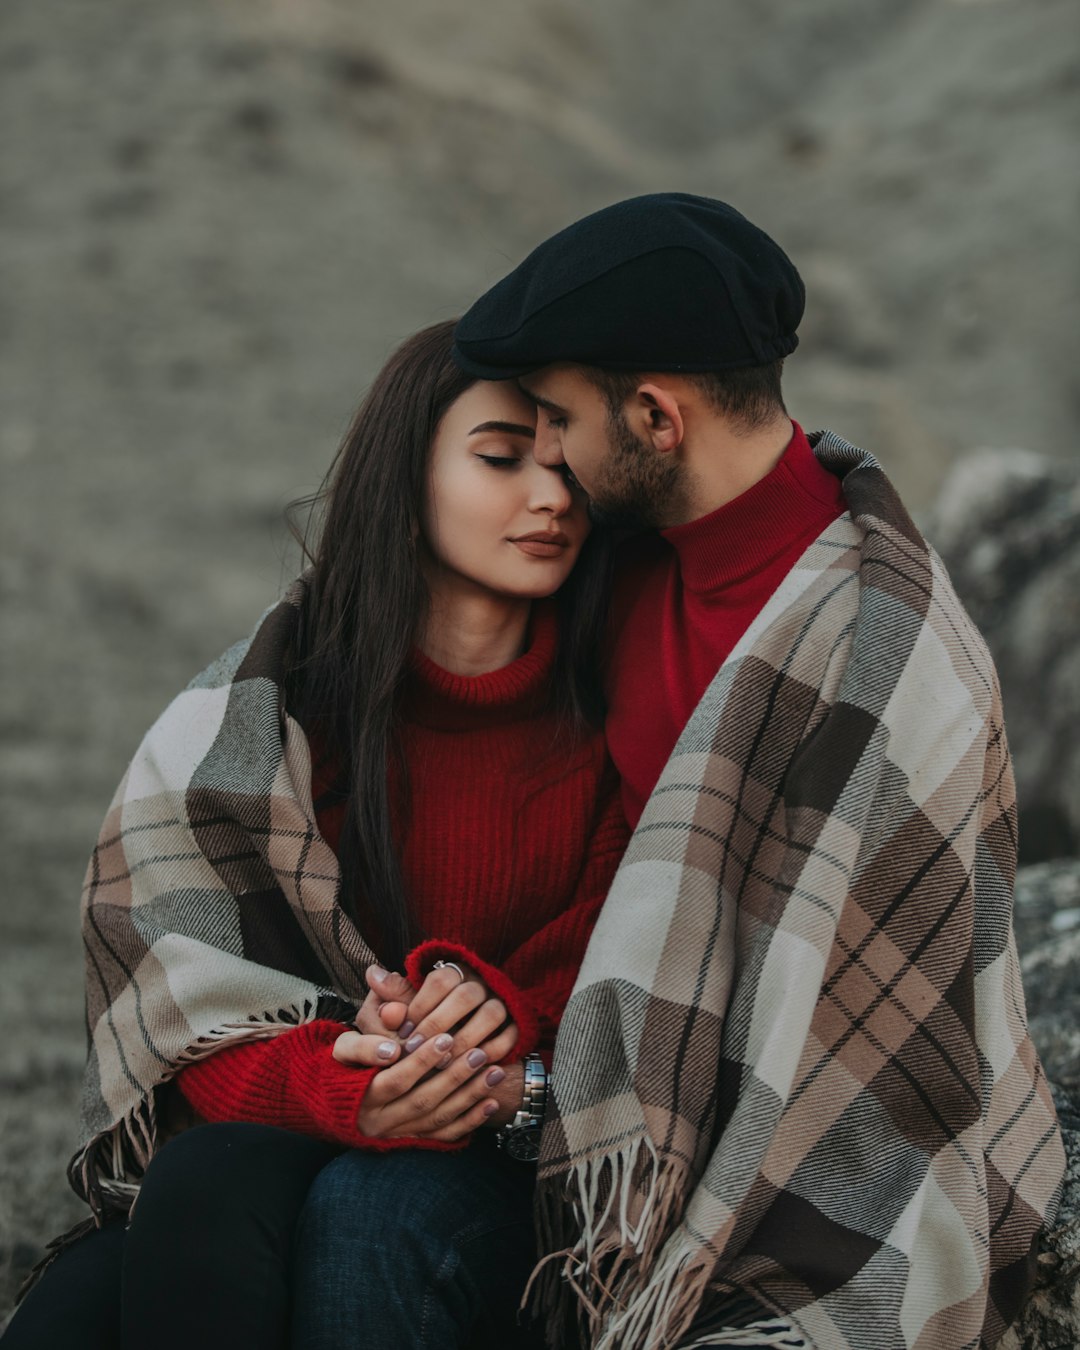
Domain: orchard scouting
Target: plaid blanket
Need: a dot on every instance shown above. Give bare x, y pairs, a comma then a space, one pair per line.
794, 1099
794, 1077
210, 911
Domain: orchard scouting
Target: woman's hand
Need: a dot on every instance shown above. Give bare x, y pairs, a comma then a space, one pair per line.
447, 1002
440, 1077
444, 1090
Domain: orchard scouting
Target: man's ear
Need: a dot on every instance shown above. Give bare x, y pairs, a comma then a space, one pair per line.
657, 417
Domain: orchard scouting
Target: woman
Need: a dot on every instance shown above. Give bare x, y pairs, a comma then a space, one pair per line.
402, 767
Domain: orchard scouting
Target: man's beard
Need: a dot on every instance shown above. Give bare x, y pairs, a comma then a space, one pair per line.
638, 487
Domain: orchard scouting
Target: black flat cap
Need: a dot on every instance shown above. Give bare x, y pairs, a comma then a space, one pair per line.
662, 282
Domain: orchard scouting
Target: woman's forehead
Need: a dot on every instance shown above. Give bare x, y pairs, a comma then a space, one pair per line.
494, 401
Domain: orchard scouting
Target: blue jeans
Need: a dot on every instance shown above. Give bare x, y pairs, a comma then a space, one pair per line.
414, 1249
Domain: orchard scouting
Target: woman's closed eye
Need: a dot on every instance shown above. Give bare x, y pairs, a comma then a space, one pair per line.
500, 461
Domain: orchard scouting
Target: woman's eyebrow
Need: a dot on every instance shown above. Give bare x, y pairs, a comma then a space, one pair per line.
508, 428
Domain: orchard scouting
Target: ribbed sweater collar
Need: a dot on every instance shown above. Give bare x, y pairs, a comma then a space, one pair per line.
438, 698
796, 498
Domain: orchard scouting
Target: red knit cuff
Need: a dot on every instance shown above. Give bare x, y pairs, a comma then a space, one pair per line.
420, 961
341, 1094
291, 1081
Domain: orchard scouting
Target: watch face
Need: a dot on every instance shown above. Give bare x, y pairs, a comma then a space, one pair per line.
524, 1143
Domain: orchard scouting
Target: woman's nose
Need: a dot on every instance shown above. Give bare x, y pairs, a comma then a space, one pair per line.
551, 491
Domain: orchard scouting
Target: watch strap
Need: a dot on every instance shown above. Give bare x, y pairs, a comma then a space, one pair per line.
530, 1115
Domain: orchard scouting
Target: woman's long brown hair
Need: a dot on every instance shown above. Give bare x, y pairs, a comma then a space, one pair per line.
366, 609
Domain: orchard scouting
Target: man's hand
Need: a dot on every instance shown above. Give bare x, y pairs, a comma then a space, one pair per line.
509, 1094
386, 1005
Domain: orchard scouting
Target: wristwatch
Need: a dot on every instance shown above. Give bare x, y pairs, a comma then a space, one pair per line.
520, 1138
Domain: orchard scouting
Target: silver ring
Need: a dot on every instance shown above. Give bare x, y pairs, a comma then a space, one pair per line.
449, 965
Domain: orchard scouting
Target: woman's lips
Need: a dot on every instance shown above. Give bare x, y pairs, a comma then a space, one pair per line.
547, 545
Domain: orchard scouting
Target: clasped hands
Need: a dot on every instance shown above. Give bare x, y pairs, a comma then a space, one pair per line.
439, 1049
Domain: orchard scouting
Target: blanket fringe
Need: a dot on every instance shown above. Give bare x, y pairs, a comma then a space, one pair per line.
241, 1033
757, 1335
103, 1174
107, 1170
735, 1317
607, 1278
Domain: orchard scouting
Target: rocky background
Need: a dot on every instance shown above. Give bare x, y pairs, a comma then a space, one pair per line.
217, 218
1008, 525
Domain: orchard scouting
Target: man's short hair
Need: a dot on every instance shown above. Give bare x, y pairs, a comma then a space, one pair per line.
750, 396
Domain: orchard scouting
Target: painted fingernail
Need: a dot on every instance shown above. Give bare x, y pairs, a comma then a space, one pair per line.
494, 1076
444, 1061
490, 1108
475, 1058
406, 1029
444, 1041
386, 1050
413, 1043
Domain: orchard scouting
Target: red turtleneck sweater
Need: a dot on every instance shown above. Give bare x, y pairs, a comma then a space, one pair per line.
686, 596
508, 851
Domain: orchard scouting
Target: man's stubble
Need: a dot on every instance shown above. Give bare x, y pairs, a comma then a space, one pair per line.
637, 488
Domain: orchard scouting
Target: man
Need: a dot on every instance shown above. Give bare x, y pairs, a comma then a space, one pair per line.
793, 1100
668, 433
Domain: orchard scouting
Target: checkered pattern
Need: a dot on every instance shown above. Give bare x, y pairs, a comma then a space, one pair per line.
210, 911
795, 1073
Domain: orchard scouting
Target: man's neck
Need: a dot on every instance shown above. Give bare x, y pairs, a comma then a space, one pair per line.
721, 464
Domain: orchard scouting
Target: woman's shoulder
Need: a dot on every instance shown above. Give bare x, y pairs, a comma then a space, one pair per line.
265, 652
231, 711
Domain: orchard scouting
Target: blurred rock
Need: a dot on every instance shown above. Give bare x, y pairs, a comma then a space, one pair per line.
1051, 1320
1047, 904
1007, 523
1047, 919
1047, 923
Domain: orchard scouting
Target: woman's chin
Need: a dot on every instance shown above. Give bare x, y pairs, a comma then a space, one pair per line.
534, 592
541, 586
535, 580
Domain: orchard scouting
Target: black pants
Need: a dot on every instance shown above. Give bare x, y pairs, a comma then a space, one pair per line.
204, 1191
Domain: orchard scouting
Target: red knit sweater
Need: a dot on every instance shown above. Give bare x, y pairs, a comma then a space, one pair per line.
508, 851
686, 596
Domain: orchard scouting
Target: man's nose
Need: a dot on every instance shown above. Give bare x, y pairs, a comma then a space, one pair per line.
547, 448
